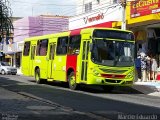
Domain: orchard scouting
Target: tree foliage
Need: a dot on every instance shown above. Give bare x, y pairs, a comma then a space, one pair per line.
6, 26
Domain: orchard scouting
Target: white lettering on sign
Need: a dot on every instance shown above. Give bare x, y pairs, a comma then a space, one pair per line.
94, 18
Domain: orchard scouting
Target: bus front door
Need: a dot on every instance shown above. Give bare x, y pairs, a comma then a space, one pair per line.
31, 69
51, 60
84, 62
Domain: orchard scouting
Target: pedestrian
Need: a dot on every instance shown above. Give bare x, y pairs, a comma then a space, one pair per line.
148, 68
143, 67
154, 67
138, 67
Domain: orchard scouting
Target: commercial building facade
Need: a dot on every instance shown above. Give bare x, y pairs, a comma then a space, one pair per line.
29, 27
142, 17
95, 13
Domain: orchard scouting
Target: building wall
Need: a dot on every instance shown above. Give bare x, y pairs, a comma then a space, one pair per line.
142, 17
96, 4
43, 25
102, 14
21, 29
146, 14
35, 26
29, 27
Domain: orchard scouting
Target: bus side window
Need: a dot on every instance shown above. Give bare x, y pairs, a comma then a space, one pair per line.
62, 45
37, 50
42, 47
26, 48
74, 44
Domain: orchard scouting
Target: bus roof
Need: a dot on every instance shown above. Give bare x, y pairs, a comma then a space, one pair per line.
91, 29
35, 38
72, 33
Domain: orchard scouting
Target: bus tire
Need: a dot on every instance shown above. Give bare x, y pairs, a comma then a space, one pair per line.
72, 81
107, 88
37, 76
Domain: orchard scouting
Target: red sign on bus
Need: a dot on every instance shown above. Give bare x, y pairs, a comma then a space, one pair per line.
144, 7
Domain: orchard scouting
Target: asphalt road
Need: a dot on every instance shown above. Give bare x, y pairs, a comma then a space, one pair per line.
56, 101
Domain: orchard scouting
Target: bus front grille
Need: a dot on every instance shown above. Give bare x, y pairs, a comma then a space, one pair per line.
113, 71
112, 81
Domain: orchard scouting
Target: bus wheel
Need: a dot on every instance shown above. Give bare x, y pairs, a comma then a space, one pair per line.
37, 76
107, 88
72, 81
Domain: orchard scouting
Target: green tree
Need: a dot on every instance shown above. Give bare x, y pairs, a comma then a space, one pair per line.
6, 26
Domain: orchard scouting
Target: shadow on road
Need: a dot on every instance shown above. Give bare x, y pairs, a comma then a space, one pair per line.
85, 88
135, 89
84, 102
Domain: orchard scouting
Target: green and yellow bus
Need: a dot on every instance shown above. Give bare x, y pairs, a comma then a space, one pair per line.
91, 56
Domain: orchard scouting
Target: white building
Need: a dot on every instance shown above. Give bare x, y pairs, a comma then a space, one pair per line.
95, 13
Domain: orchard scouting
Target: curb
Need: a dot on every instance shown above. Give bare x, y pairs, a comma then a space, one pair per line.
149, 88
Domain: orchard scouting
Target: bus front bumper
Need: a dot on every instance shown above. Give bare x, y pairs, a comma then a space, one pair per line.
95, 80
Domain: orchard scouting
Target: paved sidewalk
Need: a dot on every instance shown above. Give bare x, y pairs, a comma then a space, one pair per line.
150, 88
154, 83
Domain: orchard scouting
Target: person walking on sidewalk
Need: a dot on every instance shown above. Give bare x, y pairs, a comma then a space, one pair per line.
148, 69
138, 67
143, 66
154, 67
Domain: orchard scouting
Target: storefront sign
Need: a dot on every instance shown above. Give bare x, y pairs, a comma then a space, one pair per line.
94, 18
97, 18
144, 7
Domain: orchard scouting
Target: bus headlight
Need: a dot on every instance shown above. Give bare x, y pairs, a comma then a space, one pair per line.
96, 73
130, 75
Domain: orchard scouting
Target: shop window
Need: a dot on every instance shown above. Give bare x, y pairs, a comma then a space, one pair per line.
62, 45
74, 44
42, 47
26, 48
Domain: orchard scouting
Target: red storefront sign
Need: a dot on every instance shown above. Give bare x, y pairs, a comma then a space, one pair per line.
144, 7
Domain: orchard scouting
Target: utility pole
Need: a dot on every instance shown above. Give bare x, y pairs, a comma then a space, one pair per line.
123, 25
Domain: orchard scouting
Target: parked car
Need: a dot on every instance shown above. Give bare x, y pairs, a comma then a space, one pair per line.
5, 68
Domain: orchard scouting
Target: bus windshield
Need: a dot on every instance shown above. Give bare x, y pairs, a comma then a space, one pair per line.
112, 53
113, 34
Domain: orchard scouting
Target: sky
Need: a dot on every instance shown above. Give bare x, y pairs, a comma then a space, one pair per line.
24, 8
